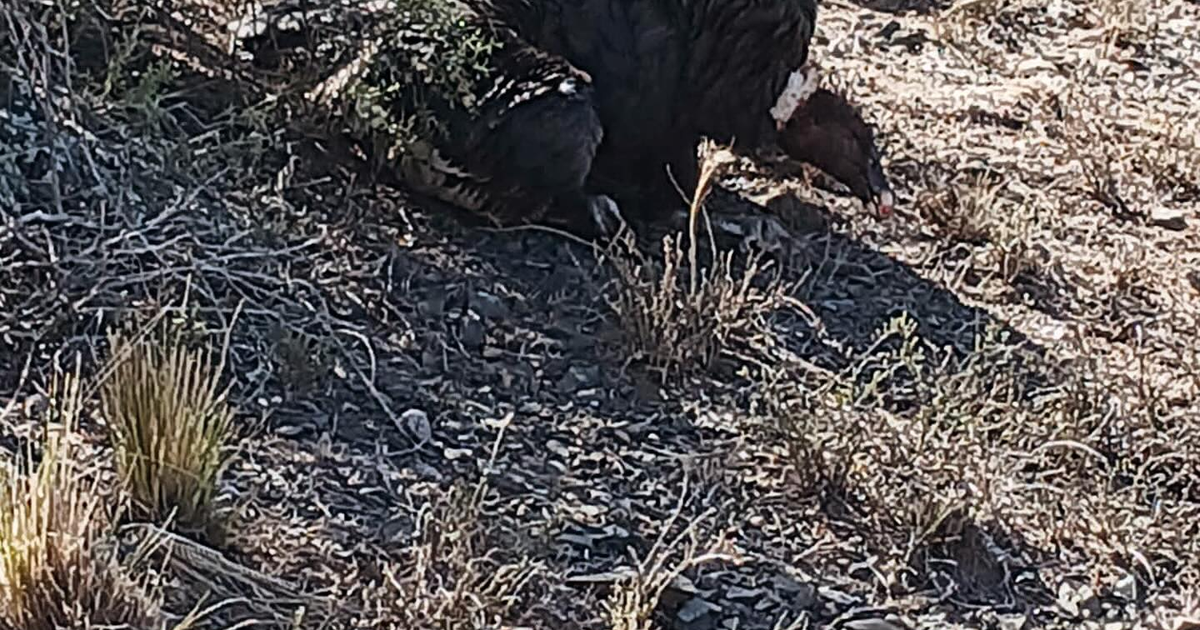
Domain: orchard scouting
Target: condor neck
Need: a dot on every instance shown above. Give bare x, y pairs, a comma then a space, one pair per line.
741, 55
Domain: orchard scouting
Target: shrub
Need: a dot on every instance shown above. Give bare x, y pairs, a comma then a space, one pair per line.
170, 425
57, 565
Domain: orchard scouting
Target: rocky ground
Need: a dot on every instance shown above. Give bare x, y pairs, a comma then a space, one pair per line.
981, 413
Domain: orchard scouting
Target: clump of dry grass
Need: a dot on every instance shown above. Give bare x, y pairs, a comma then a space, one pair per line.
638, 592
58, 568
904, 444
966, 26
1127, 166
302, 360
964, 211
170, 424
679, 315
1125, 22
456, 578
965, 471
975, 210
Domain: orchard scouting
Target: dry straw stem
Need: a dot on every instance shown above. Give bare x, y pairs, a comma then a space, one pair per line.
170, 424
455, 580
57, 566
633, 600
679, 322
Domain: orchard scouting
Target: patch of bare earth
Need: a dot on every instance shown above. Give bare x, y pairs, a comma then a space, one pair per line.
981, 414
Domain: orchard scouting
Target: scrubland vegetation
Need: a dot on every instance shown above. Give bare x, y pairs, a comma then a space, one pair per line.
242, 380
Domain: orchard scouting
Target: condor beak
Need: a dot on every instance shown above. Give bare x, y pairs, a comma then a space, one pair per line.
885, 202
882, 196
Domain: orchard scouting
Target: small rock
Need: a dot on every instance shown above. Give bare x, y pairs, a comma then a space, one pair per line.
453, 454
433, 306
737, 592
1011, 622
896, 35
1075, 600
396, 529
427, 472
680, 590
290, 430
473, 333
1194, 280
577, 378
874, 623
912, 40
1127, 588
841, 598
430, 359
1168, 220
1035, 66
697, 614
416, 423
488, 306
797, 595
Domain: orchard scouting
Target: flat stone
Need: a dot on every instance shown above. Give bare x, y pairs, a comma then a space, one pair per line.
1168, 219
489, 306
697, 614
579, 378
1127, 588
415, 422
473, 333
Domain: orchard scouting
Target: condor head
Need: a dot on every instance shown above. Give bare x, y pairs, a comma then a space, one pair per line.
828, 132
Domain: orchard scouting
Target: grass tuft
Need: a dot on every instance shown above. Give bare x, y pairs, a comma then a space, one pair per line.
170, 425
678, 314
454, 578
56, 570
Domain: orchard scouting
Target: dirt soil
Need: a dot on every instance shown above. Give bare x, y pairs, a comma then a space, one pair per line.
980, 413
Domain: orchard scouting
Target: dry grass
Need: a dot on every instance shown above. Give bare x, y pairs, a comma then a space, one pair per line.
679, 314
965, 471
638, 591
454, 578
58, 567
1060, 449
170, 424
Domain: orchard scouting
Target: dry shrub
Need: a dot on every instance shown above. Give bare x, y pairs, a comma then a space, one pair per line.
903, 437
978, 468
967, 24
1126, 166
964, 210
679, 315
1101, 156
58, 567
973, 209
170, 424
455, 577
638, 591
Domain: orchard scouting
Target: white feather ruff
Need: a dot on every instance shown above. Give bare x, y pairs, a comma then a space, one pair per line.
801, 84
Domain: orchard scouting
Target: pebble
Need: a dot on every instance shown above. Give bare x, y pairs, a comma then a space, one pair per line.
473, 334
697, 614
578, 378
432, 306
415, 422
1127, 588
1168, 220
489, 306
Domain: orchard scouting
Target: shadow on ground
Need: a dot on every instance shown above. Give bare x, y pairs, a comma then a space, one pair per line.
361, 310
921, 7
